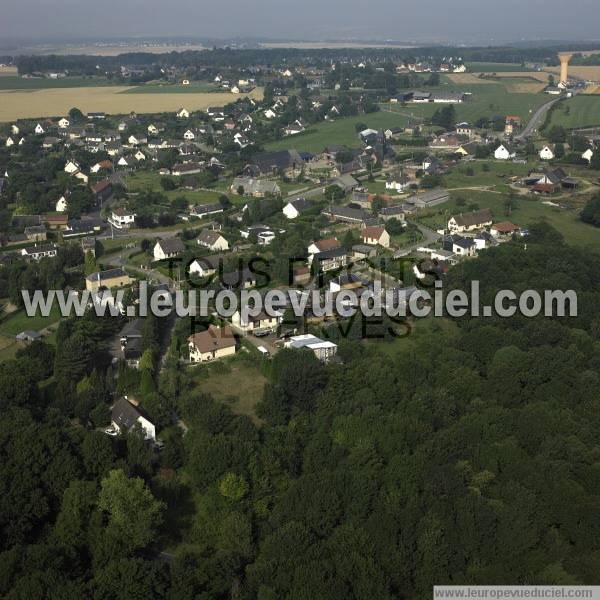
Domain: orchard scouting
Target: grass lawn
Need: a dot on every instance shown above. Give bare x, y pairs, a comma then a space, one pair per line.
19, 321
580, 111
149, 181
497, 173
492, 67
18, 83
528, 210
237, 383
8, 347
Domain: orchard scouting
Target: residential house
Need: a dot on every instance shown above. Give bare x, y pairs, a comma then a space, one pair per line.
61, 204
347, 214
212, 344
58, 221
102, 191
40, 251
286, 162
328, 260
125, 416
183, 113
130, 338
323, 350
588, 154
36, 233
258, 188
546, 153
295, 208
504, 229
504, 152
465, 129
72, 167
478, 219
169, 248
202, 210
397, 182
121, 218
190, 168
112, 278
374, 236
261, 324
459, 245
205, 266
212, 240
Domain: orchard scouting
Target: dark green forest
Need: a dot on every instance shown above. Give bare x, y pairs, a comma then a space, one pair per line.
466, 452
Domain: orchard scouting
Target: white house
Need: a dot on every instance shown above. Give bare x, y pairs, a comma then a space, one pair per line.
588, 154
139, 156
183, 113
212, 240
261, 323
212, 344
121, 218
40, 251
203, 267
169, 248
64, 123
14, 129
270, 113
503, 153
374, 236
71, 167
125, 415
478, 219
61, 204
189, 135
39, 130
9, 142
295, 208
546, 153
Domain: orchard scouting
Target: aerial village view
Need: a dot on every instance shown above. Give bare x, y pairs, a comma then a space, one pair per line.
291, 452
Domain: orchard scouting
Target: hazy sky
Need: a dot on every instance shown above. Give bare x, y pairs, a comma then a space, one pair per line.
454, 20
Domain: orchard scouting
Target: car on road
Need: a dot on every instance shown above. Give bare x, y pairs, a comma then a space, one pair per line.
263, 351
111, 431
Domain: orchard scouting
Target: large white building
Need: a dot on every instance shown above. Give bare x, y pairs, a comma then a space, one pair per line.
323, 350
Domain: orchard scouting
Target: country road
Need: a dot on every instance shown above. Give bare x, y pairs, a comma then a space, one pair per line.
536, 119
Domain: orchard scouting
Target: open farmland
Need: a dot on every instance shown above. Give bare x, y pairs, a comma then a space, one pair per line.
53, 102
12, 82
7, 71
580, 111
492, 67
586, 73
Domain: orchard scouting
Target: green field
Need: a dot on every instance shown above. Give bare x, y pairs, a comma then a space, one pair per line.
19, 321
492, 67
244, 389
487, 100
18, 83
580, 111
196, 88
149, 181
527, 211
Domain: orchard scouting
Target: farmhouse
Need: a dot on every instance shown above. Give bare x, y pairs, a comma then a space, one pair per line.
212, 344
477, 219
347, 214
202, 210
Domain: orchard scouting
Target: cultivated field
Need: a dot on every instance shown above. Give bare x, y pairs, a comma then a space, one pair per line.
492, 67
580, 111
54, 102
587, 73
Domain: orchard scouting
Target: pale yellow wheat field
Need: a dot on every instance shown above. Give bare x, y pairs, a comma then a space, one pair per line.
33, 104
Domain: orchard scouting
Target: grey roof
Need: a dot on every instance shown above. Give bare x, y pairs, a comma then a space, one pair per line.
108, 274
347, 213
203, 209
301, 204
125, 414
171, 245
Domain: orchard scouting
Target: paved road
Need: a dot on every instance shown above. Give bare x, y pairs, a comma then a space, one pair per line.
536, 119
429, 237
